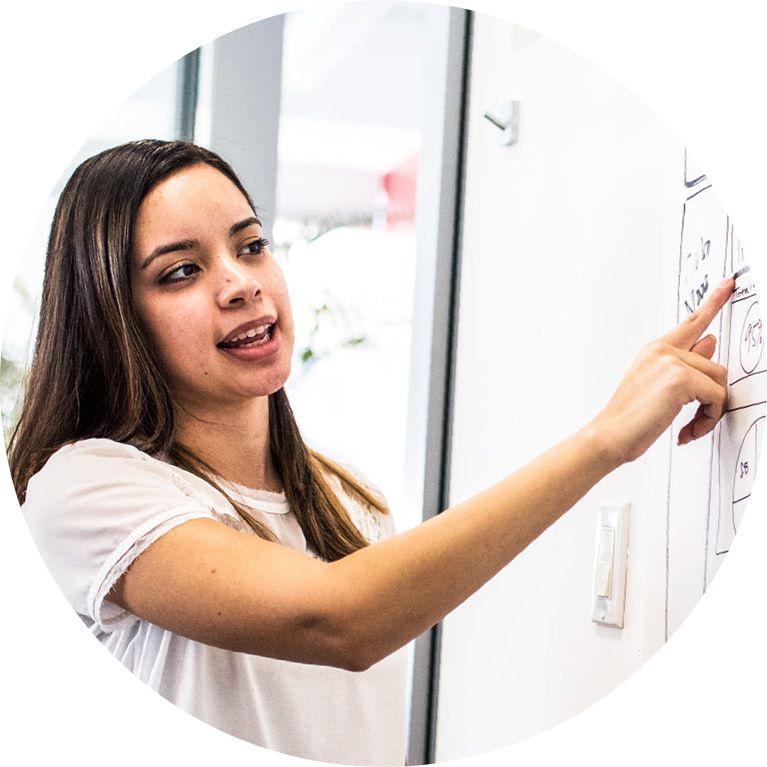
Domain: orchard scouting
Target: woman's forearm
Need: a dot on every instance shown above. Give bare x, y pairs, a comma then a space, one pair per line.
413, 580
404, 585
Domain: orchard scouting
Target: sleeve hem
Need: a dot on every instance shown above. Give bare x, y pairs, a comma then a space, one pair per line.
121, 559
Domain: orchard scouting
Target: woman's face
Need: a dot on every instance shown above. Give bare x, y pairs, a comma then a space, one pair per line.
209, 292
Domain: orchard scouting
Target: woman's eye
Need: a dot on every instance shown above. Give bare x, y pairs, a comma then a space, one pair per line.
254, 247
181, 273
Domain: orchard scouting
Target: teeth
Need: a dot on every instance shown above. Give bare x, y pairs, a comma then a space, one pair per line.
252, 333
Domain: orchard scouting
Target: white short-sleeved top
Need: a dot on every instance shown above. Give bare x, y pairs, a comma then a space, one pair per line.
97, 504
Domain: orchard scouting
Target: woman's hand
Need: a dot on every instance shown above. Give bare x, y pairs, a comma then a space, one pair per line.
668, 374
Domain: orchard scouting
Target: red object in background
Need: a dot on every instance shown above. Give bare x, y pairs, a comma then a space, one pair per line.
400, 187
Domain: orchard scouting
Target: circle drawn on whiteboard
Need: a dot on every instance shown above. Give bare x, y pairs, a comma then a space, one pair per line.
751, 339
745, 469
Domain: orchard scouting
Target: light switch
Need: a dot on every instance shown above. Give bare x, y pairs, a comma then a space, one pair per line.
603, 580
610, 565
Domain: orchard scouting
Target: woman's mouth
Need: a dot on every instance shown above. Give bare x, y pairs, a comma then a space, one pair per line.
256, 344
257, 336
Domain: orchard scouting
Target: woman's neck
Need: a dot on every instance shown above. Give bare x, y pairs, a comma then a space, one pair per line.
233, 441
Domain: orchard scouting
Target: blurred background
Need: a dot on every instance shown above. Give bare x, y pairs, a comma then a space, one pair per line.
325, 125
324, 114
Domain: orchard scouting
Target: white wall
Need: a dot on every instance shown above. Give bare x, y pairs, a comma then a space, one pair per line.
570, 246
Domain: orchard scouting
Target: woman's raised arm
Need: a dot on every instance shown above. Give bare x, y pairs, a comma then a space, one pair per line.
207, 582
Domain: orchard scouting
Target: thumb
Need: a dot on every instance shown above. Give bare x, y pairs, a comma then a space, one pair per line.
705, 347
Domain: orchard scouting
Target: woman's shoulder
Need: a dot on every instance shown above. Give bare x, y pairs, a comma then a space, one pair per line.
97, 447
79, 455
89, 456
86, 464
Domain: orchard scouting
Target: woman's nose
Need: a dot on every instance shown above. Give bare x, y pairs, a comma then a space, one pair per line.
237, 285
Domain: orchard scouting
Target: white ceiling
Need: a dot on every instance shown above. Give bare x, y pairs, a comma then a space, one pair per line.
353, 79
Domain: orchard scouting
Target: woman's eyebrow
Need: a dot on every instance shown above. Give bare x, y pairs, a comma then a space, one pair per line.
169, 248
244, 224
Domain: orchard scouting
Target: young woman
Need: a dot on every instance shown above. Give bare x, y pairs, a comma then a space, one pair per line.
250, 580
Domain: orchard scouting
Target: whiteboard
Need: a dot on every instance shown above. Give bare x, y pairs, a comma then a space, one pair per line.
581, 243
709, 487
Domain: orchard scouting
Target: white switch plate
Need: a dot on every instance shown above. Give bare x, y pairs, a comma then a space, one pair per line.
610, 563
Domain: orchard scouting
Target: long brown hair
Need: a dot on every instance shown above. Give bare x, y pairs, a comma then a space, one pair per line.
94, 373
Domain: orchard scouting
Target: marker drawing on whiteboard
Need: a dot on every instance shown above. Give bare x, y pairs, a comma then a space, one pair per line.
709, 487
741, 272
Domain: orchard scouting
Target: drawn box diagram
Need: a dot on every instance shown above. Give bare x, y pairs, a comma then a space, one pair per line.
741, 432
741, 435
745, 348
710, 481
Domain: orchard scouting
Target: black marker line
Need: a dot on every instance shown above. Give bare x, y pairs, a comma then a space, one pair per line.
722, 507
679, 269
747, 437
671, 439
668, 534
699, 192
729, 248
708, 516
748, 375
725, 334
716, 438
745, 407
692, 182
695, 181
716, 443
749, 297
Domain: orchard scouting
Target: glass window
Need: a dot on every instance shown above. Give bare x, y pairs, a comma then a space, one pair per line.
349, 99
349, 141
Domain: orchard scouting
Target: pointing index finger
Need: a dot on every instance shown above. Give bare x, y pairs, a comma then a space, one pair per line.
687, 333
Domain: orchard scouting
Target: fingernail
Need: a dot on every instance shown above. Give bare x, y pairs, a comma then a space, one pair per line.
726, 282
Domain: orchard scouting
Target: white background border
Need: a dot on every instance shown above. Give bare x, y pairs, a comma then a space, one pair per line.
66, 66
